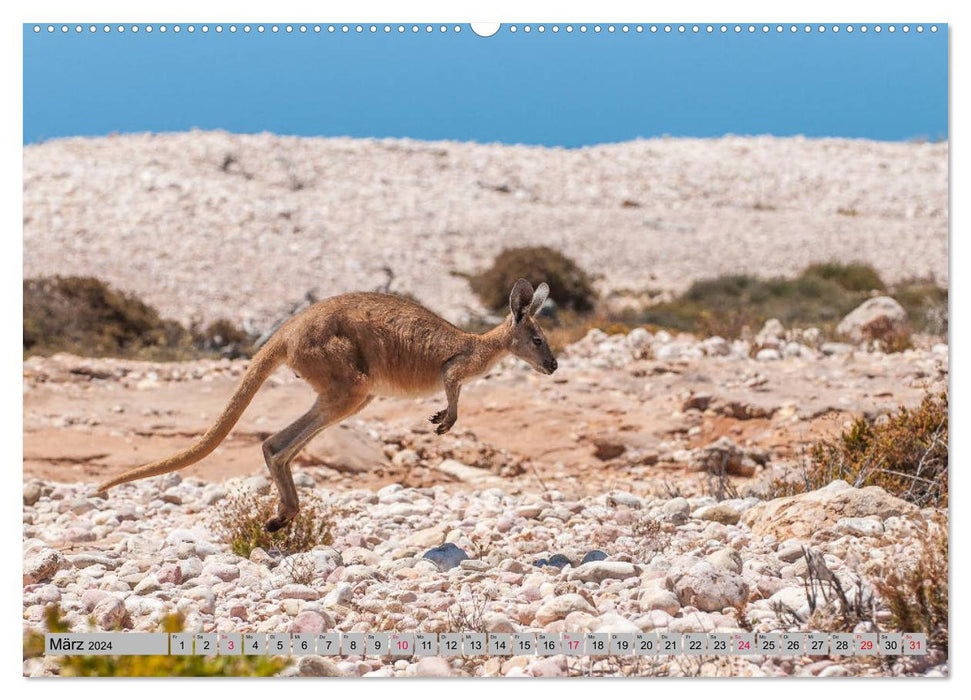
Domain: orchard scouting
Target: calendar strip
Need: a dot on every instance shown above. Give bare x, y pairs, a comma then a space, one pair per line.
418, 644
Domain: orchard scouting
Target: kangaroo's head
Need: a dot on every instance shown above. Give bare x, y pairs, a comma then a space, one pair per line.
526, 340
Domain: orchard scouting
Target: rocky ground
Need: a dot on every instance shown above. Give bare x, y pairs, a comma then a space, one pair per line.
678, 565
210, 224
613, 454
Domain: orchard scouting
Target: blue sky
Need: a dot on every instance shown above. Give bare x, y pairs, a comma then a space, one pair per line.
552, 89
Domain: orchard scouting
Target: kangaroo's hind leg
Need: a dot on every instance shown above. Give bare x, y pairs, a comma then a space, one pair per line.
280, 449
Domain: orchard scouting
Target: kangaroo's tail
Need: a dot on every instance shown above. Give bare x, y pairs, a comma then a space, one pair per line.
269, 357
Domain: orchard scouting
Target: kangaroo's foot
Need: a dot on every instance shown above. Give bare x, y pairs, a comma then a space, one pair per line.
439, 417
279, 522
445, 425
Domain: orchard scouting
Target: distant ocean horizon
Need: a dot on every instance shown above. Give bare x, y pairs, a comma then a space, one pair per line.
566, 90
660, 137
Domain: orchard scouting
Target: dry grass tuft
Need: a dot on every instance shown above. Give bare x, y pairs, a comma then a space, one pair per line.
916, 591
240, 517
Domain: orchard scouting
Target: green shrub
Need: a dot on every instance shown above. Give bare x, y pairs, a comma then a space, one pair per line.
727, 305
570, 287
85, 316
240, 518
855, 277
906, 455
925, 303
731, 304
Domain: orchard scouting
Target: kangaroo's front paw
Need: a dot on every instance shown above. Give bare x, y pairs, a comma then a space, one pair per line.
438, 417
445, 426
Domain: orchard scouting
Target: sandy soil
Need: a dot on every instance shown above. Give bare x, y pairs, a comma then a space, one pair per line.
85, 420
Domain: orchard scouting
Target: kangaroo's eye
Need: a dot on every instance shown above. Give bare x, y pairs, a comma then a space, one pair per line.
537, 340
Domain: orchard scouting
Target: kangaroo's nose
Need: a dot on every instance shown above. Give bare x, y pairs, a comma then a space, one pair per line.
551, 366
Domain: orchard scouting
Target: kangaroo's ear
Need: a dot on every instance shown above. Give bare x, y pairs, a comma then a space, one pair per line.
539, 298
520, 298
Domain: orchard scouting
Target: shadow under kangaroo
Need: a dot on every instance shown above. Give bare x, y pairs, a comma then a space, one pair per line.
353, 347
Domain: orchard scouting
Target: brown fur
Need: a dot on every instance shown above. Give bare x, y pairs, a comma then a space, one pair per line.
353, 347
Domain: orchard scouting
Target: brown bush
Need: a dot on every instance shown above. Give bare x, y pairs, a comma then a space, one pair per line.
570, 286
85, 316
905, 454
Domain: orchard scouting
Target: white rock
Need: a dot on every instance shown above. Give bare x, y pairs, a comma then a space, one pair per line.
792, 597
655, 598
434, 667
866, 319
342, 594
710, 589
598, 571
726, 558
860, 527
767, 355
110, 613
43, 565
559, 607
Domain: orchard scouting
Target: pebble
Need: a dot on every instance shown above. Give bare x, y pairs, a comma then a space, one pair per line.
559, 607
434, 667
719, 513
593, 555
298, 591
654, 598
709, 588
311, 622
318, 667
446, 556
599, 571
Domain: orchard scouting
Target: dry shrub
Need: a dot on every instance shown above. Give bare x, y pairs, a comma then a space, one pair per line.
833, 607
884, 335
467, 616
240, 521
301, 568
650, 536
916, 590
85, 316
905, 454
570, 286
224, 338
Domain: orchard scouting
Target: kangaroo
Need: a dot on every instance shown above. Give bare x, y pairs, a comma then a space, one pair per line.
353, 347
